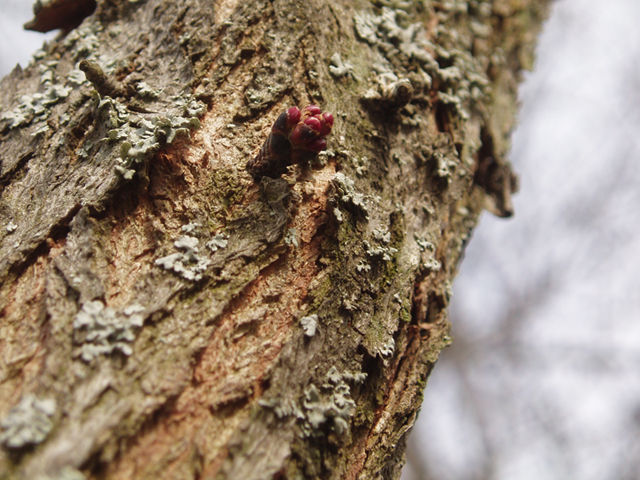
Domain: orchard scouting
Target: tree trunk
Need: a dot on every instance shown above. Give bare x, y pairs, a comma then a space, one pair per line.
164, 314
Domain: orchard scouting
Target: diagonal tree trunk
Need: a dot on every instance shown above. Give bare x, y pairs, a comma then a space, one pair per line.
165, 314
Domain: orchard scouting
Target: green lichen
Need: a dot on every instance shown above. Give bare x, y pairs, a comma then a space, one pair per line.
115, 115
406, 54
142, 136
35, 106
84, 40
76, 77
144, 90
387, 32
152, 134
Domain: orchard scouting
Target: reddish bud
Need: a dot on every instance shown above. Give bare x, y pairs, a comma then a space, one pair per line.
296, 137
293, 116
327, 124
302, 134
317, 145
310, 110
328, 118
313, 123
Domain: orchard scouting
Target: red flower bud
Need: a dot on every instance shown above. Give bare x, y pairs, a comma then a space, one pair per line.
314, 123
310, 110
296, 137
303, 134
293, 116
317, 145
327, 124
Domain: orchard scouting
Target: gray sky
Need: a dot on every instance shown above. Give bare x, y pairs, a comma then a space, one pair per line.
16, 44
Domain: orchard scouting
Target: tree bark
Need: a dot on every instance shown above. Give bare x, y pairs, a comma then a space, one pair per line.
166, 315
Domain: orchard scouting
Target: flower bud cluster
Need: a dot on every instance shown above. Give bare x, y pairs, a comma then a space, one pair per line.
296, 136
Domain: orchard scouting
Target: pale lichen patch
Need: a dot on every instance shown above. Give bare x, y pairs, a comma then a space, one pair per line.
330, 405
347, 192
142, 136
101, 330
339, 68
217, 242
188, 263
309, 324
28, 423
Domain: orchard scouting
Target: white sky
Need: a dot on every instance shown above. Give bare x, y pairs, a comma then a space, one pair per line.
17, 44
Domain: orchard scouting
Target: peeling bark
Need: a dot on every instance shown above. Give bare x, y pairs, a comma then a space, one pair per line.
152, 292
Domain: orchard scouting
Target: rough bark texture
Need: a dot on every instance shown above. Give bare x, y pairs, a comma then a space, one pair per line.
157, 305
